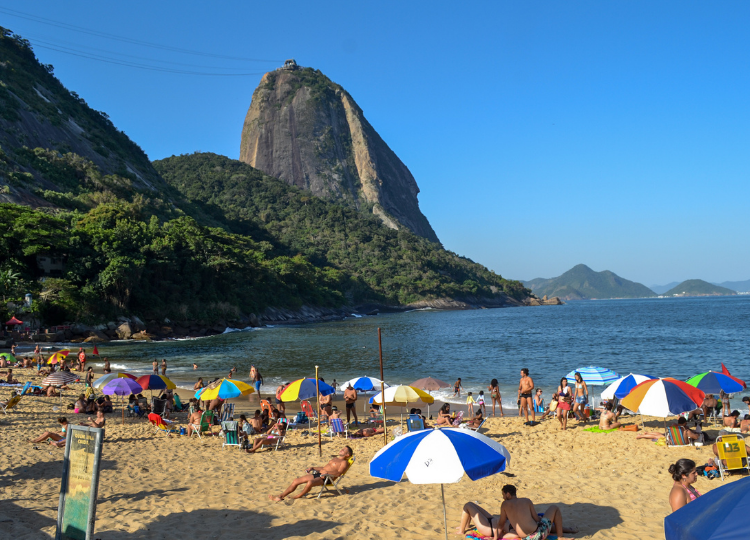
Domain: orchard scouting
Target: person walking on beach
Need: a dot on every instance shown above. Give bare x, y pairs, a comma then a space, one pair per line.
155, 365
164, 367
81, 359
350, 398
581, 395
564, 400
457, 388
256, 379
496, 397
525, 399
107, 368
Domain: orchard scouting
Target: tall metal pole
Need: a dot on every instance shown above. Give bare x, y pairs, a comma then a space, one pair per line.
317, 391
382, 388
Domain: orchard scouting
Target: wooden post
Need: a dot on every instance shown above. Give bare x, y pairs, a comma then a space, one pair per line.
382, 388
317, 398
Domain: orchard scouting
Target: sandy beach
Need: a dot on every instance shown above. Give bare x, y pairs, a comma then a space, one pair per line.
611, 486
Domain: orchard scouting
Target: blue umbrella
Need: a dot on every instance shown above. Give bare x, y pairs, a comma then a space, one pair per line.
593, 375
622, 386
439, 456
363, 384
717, 515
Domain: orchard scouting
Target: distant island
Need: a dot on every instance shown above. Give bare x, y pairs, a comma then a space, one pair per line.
739, 286
698, 287
583, 283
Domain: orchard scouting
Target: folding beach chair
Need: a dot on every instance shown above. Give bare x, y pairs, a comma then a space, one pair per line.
478, 427
227, 412
205, 424
337, 427
160, 425
309, 412
231, 433
415, 423
676, 437
159, 406
12, 402
732, 454
178, 406
333, 481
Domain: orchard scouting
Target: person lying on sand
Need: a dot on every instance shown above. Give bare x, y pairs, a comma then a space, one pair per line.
314, 477
58, 439
366, 432
516, 517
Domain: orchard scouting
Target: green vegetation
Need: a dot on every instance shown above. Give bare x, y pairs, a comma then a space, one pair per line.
698, 287
582, 283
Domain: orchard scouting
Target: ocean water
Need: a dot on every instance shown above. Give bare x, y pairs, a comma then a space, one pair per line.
677, 337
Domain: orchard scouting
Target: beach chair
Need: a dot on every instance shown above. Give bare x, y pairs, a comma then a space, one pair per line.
227, 412
205, 424
334, 481
732, 454
309, 412
265, 405
676, 437
159, 406
178, 406
12, 403
478, 427
160, 425
337, 427
459, 418
415, 423
231, 433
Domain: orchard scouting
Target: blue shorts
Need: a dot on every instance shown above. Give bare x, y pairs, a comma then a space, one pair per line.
580, 399
257, 386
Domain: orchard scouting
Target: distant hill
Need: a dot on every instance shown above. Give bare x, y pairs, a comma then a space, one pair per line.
582, 283
661, 289
698, 287
739, 286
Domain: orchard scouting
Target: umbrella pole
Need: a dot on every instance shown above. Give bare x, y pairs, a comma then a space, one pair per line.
445, 519
122, 406
382, 388
317, 391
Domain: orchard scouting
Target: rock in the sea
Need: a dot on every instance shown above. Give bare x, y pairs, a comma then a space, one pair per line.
142, 335
124, 331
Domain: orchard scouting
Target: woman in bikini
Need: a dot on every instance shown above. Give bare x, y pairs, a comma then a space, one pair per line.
582, 391
684, 475
495, 395
564, 399
55, 439
444, 415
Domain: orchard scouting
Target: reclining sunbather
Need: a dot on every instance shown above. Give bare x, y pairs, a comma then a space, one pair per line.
58, 439
277, 430
681, 423
366, 432
314, 477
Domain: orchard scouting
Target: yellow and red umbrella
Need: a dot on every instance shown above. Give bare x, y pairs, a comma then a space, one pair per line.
59, 356
305, 389
155, 382
663, 397
224, 389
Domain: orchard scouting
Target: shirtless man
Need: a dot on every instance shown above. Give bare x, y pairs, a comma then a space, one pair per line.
164, 367
155, 366
97, 422
9, 379
525, 391
107, 368
516, 517
608, 419
366, 432
325, 404
350, 397
314, 477
257, 422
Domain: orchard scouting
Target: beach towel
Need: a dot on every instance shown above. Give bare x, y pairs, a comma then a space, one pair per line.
7, 384
597, 429
474, 535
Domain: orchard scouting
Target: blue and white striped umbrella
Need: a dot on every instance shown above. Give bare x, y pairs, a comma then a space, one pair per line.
439, 456
593, 375
622, 386
363, 384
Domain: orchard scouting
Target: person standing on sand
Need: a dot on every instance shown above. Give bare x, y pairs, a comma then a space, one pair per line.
457, 387
525, 399
564, 399
279, 390
81, 359
256, 380
155, 365
107, 368
581, 395
350, 397
164, 367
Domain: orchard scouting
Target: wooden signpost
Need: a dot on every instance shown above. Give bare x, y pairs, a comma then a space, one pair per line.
76, 512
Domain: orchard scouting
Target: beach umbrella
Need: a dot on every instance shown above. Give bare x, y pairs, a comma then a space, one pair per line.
439, 456
622, 386
59, 356
363, 384
713, 383
155, 382
725, 371
13, 322
59, 378
402, 394
663, 397
8, 357
102, 381
429, 384
224, 389
717, 515
305, 389
593, 375
121, 386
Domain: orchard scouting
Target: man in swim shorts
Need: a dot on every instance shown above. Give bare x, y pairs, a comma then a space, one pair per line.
525, 391
314, 477
523, 519
350, 397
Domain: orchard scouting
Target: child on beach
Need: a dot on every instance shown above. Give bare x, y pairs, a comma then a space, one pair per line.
480, 402
457, 388
470, 404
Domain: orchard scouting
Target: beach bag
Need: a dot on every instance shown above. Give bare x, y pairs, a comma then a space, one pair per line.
631, 427
552, 405
301, 418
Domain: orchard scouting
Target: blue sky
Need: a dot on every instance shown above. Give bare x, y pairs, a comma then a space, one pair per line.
541, 134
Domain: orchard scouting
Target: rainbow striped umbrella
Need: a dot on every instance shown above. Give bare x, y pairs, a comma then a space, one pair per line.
594, 375
663, 397
106, 379
305, 389
622, 386
713, 383
155, 382
224, 389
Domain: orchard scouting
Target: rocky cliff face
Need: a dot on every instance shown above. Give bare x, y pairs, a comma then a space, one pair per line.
308, 131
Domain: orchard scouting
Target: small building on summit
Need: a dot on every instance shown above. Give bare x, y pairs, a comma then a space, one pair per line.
290, 65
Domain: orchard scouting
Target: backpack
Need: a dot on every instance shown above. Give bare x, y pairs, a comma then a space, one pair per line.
301, 418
